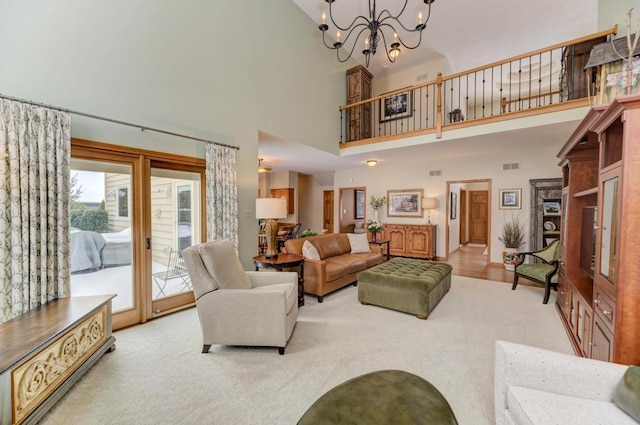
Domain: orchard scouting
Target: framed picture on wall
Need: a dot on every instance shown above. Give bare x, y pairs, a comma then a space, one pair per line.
454, 206
399, 105
359, 203
510, 199
404, 203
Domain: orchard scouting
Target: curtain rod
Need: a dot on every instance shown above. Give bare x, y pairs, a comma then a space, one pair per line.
97, 117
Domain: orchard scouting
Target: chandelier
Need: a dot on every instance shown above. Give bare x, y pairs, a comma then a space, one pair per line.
374, 29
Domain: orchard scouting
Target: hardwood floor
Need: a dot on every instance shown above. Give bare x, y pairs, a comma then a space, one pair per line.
469, 261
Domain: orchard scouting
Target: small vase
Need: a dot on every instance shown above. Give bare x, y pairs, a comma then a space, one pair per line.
510, 258
374, 236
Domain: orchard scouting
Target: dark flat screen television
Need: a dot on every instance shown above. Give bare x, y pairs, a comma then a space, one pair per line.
588, 240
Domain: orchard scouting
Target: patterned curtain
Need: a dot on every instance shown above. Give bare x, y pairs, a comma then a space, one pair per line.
34, 204
222, 194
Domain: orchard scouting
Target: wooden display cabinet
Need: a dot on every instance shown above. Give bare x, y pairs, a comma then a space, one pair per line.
358, 117
417, 241
601, 169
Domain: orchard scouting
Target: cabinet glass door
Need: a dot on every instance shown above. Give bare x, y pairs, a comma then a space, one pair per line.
609, 228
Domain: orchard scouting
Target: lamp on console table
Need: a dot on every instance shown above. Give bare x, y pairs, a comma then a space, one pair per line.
271, 209
429, 204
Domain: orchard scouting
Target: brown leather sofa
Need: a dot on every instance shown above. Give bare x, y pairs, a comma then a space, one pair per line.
337, 266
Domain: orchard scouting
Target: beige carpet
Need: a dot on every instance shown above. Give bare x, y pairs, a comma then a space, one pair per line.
157, 375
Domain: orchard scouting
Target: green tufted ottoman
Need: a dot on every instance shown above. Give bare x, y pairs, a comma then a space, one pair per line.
385, 397
405, 284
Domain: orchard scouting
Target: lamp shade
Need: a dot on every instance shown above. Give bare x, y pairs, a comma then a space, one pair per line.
429, 203
271, 208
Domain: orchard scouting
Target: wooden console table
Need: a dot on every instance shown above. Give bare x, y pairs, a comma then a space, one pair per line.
46, 350
407, 240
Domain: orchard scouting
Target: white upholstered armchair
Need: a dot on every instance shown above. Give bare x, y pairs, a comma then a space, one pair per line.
236, 307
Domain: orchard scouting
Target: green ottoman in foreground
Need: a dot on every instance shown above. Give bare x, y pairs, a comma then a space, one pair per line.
383, 397
405, 284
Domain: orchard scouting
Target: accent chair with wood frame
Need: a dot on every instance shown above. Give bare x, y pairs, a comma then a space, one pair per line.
544, 273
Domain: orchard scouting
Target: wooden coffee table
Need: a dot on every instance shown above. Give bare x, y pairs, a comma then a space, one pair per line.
284, 261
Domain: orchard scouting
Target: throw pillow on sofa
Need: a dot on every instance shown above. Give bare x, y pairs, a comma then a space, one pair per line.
309, 251
627, 394
359, 243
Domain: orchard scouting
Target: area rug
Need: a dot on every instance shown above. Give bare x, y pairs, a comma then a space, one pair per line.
157, 375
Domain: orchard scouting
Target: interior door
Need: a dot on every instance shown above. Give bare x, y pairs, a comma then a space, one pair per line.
479, 210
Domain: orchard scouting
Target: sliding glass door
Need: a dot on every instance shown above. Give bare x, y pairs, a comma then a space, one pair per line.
175, 199
132, 214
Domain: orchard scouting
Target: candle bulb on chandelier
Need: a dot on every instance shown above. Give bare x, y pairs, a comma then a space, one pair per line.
395, 37
338, 36
324, 18
419, 18
366, 43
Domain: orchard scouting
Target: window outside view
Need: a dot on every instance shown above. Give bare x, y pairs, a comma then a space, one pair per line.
101, 232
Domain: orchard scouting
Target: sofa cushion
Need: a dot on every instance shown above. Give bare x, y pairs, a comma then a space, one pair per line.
352, 263
537, 271
221, 261
371, 258
335, 269
309, 251
359, 243
328, 246
528, 407
343, 242
627, 394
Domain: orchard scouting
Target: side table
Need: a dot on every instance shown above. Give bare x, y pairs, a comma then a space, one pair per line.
284, 261
383, 242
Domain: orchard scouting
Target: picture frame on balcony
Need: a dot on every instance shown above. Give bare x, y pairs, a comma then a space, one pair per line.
510, 199
396, 106
405, 203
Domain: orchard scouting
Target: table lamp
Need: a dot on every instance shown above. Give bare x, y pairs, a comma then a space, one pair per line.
429, 204
271, 209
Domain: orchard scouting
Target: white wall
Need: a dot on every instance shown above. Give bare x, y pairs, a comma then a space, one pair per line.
536, 161
213, 70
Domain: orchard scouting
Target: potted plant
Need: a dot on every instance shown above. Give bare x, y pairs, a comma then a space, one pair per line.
374, 227
308, 232
513, 238
456, 115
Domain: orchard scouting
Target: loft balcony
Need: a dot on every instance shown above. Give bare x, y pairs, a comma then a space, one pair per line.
544, 81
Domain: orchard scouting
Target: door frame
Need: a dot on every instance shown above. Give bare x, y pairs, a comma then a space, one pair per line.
340, 192
140, 161
446, 227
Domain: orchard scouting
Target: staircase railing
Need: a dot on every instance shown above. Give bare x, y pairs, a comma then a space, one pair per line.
545, 80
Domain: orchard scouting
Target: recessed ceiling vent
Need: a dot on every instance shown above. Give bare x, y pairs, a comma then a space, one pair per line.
511, 166
435, 173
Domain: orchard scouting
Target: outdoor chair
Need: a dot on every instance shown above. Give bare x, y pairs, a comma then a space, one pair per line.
238, 307
544, 273
176, 269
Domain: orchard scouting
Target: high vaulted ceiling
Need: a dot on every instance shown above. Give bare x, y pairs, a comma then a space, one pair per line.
468, 33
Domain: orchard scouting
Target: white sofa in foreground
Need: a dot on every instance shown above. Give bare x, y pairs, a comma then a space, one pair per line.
536, 386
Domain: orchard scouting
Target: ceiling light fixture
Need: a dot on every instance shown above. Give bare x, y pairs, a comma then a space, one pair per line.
372, 162
263, 168
377, 25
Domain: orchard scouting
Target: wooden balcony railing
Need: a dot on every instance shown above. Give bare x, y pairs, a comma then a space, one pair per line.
545, 80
